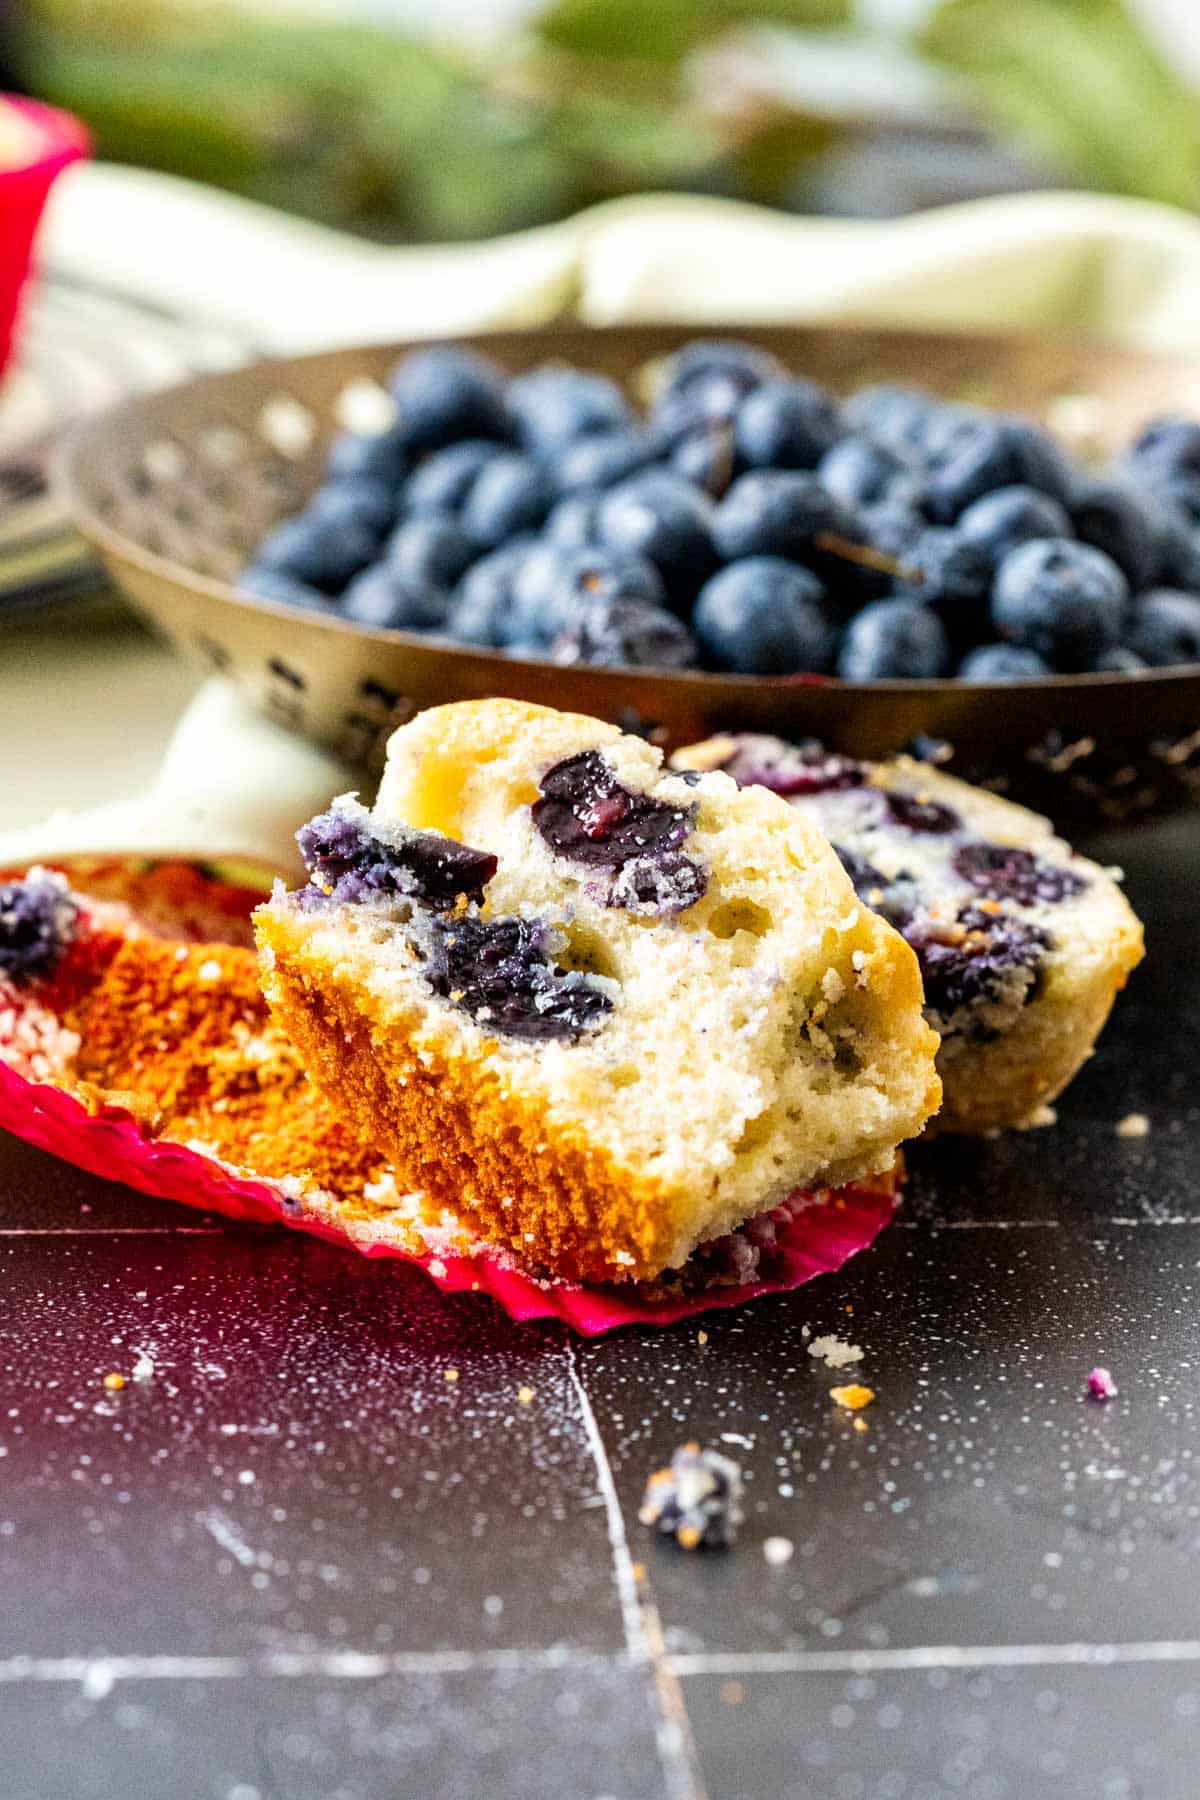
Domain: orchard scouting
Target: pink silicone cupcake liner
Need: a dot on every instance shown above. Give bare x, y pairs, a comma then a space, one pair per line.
109, 1141
112, 1143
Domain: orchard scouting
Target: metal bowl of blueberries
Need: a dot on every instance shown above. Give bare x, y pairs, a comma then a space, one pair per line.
985, 548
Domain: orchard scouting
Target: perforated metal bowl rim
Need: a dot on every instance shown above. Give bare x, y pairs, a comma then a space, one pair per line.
121, 546
1097, 746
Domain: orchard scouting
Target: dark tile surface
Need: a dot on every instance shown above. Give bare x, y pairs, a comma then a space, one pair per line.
298, 1472
584, 1731
40, 1194
298, 1561
938, 1734
983, 1498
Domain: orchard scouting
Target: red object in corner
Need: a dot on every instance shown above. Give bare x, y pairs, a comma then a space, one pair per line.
58, 140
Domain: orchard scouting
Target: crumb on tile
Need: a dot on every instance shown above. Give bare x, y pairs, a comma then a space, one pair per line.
854, 1397
835, 1352
696, 1499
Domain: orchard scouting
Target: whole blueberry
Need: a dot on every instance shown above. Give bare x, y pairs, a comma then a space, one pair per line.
763, 616
511, 494
861, 473
953, 576
1185, 569
602, 459
894, 640
574, 522
482, 610
1168, 446
892, 415
748, 363
997, 522
385, 598
1063, 599
612, 633
884, 535
553, 405
1002, 662
983, 451
373, 456
663, 518
1183, 493
706, 458
1176, 543
786, 425
1119, 661
325, 545
442, 482
708, 401
941, 429
370, 501
891, 528
430, 550
1113, 516
1165, 627
973, 457
1041, 459
445, 394
538, 598
273, 584
596, 573
706, 382
775, 512
553, 585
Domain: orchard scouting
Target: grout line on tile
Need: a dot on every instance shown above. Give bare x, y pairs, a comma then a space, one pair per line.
987, 1224
676, 1744
91, 1231
643, 1631
98, 1675
622, 1562
909, 1224
936, 1656
1172, 1219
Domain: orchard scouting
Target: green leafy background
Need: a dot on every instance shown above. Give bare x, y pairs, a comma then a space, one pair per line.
409, 139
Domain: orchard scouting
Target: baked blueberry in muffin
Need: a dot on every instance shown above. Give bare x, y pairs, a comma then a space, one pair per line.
603, 1011
1023, 945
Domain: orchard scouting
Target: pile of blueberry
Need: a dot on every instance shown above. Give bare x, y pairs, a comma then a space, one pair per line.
750, 522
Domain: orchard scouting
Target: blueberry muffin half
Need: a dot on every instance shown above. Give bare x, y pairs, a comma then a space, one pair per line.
603, 1011
1023, 945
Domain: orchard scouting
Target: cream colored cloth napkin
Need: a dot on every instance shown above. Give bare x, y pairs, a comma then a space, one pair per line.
1123, 270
